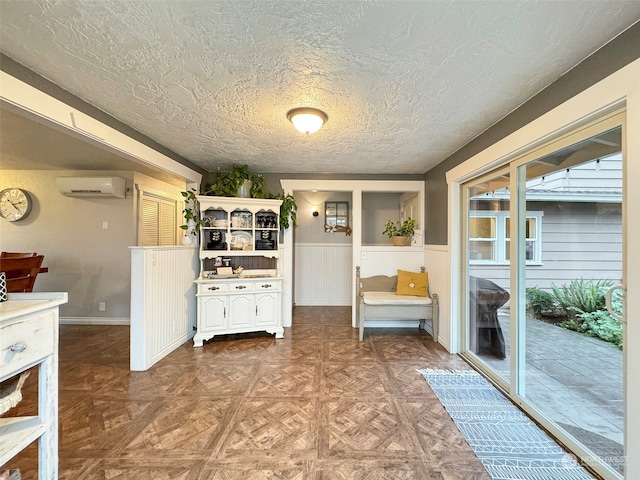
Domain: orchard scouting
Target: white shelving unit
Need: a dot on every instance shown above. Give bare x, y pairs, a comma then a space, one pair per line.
239, 227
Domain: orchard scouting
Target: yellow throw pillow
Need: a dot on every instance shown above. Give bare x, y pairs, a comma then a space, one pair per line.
412, 283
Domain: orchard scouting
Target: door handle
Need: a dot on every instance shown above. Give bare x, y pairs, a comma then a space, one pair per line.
610, 309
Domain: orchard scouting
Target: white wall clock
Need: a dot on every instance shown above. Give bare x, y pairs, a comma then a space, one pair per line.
15, 204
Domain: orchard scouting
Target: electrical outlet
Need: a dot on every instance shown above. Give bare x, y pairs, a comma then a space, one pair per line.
102, 306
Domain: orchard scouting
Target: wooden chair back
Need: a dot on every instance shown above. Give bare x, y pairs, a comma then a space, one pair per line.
21, 273
376, 283
17, 254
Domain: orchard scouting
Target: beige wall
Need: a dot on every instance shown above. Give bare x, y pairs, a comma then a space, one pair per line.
92, 264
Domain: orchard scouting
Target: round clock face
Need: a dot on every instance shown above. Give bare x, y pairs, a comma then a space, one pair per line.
15, 204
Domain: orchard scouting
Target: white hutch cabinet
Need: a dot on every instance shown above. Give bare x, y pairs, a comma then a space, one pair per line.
238, 232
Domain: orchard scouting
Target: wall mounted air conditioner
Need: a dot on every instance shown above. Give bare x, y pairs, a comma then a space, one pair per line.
92, 186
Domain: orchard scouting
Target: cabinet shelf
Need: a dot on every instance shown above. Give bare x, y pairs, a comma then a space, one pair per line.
239, 226
238, 253
23, 431
223, 229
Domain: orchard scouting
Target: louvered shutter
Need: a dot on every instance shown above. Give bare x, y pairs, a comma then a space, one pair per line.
149, 222
167, 223
157, 221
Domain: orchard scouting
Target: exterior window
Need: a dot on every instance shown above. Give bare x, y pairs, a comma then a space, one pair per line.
530, 242
489, 238
482, 238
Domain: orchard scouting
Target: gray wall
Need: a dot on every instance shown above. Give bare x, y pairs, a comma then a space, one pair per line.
619, 52
272, 180
377, 209
89, 262
310, 229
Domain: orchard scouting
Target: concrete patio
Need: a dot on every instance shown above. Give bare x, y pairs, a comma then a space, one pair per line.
576, 381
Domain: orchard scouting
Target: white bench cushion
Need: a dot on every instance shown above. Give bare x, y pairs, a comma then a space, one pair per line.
390, 298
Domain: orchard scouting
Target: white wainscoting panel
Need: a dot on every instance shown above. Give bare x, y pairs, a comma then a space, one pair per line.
163, 301
322, 274
438, 266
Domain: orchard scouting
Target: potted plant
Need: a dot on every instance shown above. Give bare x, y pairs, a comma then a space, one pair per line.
400, 233
239, 182
191, 214
228, 184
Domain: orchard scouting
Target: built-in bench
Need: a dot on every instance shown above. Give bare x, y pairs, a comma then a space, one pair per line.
376, 299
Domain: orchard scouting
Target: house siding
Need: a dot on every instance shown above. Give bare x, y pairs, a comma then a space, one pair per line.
579, 240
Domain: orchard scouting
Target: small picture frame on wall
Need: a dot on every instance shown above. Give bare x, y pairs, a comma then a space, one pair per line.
336, 217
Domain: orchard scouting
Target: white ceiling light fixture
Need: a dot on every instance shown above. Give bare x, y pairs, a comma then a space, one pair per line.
307, 120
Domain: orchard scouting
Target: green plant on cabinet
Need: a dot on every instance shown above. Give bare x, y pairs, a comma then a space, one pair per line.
400, 229
228, 183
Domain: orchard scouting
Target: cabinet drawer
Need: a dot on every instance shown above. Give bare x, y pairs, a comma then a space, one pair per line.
268, 285
241, 287
35, 334
210, 288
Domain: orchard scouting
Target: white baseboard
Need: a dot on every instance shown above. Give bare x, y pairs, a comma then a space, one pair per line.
94, 321
392, 324
318, 304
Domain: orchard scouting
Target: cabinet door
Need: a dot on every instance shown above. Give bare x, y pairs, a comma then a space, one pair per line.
267, 308
241, 311
213, 313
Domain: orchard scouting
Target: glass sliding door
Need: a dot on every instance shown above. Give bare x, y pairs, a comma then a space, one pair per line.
572, 363
488, 267
543, 242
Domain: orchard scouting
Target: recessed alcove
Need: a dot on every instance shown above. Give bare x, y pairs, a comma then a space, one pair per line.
380, 207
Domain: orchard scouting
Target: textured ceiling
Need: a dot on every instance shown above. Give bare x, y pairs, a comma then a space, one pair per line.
404, 83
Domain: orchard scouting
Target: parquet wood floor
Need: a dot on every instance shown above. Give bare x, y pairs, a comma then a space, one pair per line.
315, 405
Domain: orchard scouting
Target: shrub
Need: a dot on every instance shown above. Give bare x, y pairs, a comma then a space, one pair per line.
596, 324
581, 296
584, 302
539, 301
